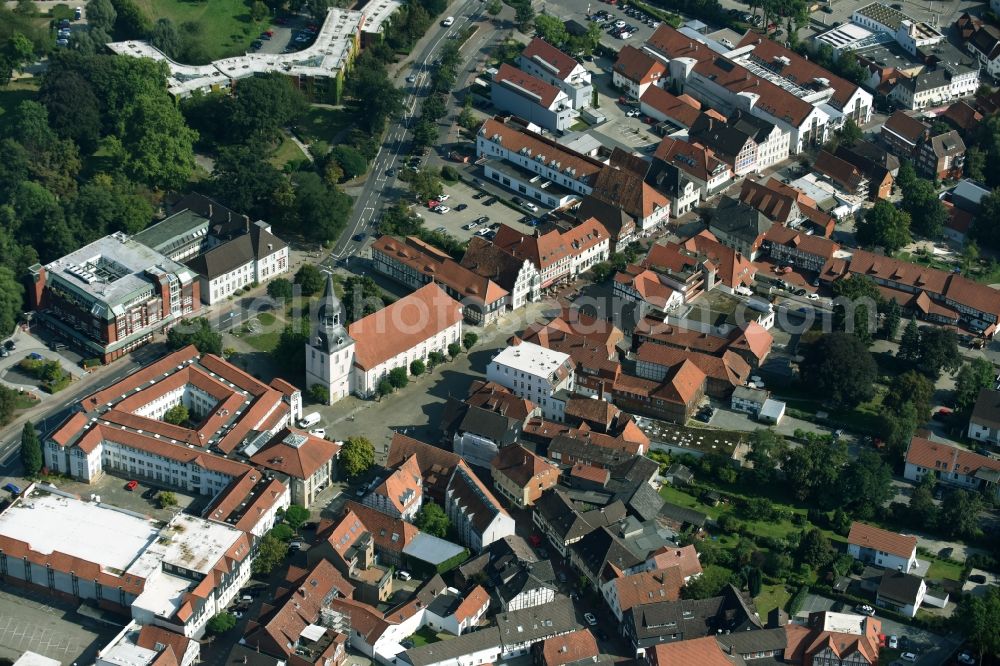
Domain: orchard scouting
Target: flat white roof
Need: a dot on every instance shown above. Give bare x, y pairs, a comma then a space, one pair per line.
844, 623
30, 658
190, 543
127, 654
531, 358
92, 532
773, 409
327, 55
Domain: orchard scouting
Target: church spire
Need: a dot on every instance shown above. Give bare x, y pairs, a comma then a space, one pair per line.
330, 313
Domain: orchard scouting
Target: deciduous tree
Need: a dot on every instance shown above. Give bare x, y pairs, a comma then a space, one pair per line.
433, 520
972, 378
938, 351
839, 366
884, 226
356, 456
310, 279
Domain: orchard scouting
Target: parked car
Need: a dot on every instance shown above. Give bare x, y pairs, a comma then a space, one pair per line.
591, 620
909, 656
444, 197
9, 345
318, 432
441, 210
482, 220
977, 578
412, 78
149, 494
62, 41
966, 658
403, 575
461, 206
893, 641
131, 485
12, 489
490, 201
78, 13
358, 238
864, 609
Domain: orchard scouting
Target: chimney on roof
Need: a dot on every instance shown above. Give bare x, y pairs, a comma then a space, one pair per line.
246, 223
209, 210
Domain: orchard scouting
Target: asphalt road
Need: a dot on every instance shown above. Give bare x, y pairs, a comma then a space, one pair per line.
369, 201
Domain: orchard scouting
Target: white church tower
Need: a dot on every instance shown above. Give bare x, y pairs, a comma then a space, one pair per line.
330, 350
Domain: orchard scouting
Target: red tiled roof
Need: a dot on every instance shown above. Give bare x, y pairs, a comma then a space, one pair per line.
684, 558
812, 244
539, 91
300, 462
693, 159
756, 339
232, 499
638, 66
942, 457
647, 284
649, 587
730, 367
473, 602
549, 57
869, 536
150, 636
703, 651
674, 108
141, 377
799, 69
586, 235
590, 473
515, 139
403, 486
542, 250
569, 648
403, 325
733, 268
843, 173
390, 534
524, 468
438, 266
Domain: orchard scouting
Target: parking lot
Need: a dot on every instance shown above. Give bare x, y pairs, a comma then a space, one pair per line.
141, 500
454, 221
33, 621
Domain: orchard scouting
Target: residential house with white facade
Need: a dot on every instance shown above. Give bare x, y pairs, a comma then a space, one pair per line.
535, 373
699, 164
952, 465
414, 263
635, 71
401, 493
548, 250
882, 548
251, 258
984, 423
477, 515
546, 62
530, 164
529, 97
517, 275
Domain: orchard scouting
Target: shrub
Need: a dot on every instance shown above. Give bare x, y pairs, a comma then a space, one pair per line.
795, 603
469, 340
320, 394
417, 368
221, 623
454, 349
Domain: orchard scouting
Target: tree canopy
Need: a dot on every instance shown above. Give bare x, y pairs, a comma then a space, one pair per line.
838, 365
972, 378
197, 332
884, 226
433, 520
357, 456
31, 450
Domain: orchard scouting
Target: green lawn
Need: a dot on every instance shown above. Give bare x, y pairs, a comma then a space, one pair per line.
13, 94
287, 151
424, 637
771, 596
681, 498
265, 318
865, 417
265, 342
324, 124
940, 570
224, 26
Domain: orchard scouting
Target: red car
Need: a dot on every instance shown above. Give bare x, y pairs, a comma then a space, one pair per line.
269, 33
433, 203
131, 485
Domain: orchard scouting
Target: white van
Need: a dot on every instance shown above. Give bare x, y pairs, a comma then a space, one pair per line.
309, 420
448, 21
